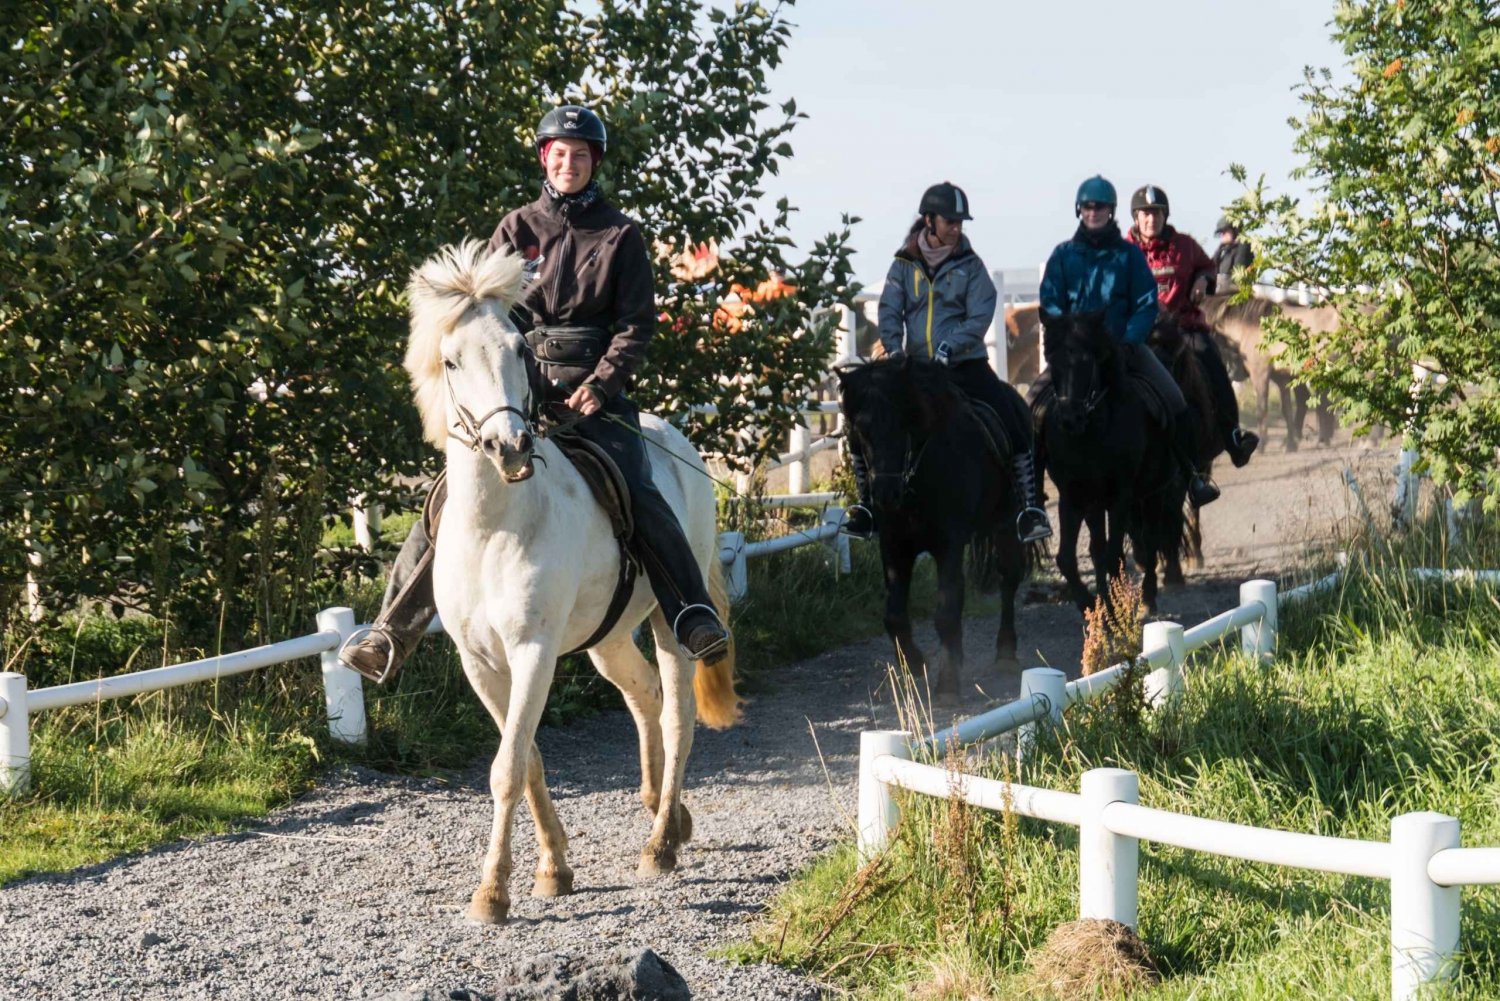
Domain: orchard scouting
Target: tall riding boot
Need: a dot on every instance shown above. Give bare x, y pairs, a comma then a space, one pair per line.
859, 520
409, 606
1201, 490
1031, 523
1239, 444
659, 543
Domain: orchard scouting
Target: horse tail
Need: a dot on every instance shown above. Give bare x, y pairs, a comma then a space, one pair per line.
713, 684
984, 558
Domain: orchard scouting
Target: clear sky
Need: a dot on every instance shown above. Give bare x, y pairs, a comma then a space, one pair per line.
1018, 102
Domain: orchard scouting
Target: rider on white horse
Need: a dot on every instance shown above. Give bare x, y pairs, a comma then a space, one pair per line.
588, 312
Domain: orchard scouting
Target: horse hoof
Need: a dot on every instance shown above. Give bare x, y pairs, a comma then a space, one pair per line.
1006, 665
488, 909
684, 825
1173, 579
553, 884
945, 697
656, 861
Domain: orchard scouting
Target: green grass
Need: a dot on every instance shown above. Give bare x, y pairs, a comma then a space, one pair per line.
207, 758
1386, 699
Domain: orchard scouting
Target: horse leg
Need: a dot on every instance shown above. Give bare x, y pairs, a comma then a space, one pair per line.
1260, 380
1289, 414
1012, 571
948, 618
1105, 550
672, 826
510, 774
621, 663
1300, 396
898, 559
1069, 520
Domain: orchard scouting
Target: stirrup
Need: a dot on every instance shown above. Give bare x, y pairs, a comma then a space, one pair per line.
391, 664
844, 523
1041, 531
713, 650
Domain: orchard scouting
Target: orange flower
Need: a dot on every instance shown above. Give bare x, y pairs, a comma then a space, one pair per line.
1393, 68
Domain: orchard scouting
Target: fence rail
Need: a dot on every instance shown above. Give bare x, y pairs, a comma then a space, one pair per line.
1422, 860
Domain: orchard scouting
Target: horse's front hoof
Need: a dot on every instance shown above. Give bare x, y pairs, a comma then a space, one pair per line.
553, 884
488, 908
656, 860
684, 825
1173, 578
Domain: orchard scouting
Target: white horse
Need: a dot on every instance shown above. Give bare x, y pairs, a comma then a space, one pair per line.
526, 564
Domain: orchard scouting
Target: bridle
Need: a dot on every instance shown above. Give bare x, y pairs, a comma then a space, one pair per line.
1094, 397
466, 428
910, 462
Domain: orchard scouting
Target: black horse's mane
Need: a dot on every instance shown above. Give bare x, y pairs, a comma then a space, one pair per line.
935, 396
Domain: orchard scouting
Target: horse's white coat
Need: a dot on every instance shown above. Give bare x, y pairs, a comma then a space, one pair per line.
525, 570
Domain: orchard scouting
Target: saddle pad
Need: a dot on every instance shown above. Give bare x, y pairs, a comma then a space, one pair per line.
1155, 405
604, 479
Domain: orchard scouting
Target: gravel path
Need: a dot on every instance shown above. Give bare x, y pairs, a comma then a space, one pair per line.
358, 889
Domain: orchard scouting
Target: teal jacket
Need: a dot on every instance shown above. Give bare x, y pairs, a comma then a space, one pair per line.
1095, 271
922, 309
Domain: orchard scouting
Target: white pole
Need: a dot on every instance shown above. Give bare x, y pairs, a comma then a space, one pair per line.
838, 544
995, 341
796, 476
732, 555
1108, 863
1408, 488
343, 689
1424, 916
361, 519
1165, 682
15, 739
878, 812
848, 345
1041, 330
1259, 639
1050, 684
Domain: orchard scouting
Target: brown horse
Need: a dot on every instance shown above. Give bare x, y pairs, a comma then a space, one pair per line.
1240, 325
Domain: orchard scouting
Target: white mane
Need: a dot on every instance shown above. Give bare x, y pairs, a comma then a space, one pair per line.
442, 291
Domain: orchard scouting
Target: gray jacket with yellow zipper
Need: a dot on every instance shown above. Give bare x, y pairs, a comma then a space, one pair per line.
922, 309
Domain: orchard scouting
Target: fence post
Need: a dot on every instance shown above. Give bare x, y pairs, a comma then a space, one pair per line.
343, 689
1107, 862
15, 739
796, 474
995, 340
1165, 682
366, 520
732, 555
878, 812
1424, 915
838, 545
1259, 638
1051, 684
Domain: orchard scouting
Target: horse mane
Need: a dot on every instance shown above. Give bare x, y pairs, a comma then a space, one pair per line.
934, 395
451, 282
1221, 307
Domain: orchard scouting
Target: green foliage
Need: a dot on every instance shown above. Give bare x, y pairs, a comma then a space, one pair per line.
211, 213
1403, 158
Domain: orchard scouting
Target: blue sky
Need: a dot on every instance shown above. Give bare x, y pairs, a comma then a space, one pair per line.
1018, 102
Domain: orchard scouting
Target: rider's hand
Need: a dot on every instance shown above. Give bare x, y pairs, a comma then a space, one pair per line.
1200, 289
585, 400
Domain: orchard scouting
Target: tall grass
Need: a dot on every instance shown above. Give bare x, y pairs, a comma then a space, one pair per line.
1385, 699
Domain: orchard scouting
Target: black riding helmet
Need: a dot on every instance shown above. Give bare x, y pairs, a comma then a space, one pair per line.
572, 122
947, 200
1149, 197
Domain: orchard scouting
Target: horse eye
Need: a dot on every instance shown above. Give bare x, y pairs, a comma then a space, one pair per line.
450, 364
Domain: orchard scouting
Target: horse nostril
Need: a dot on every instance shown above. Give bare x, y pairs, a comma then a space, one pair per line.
524, 442
491, 446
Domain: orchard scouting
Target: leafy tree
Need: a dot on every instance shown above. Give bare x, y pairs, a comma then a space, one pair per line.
211, 213
1403, 232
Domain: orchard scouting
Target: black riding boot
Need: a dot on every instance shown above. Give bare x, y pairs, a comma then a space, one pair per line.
859, 520
1239, 444
1201, 490
1031, 523
659, 543
408, 607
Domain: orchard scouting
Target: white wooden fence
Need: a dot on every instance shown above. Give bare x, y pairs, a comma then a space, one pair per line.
1423, 860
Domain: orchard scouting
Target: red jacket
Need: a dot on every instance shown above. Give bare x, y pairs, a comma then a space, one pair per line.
1177, 261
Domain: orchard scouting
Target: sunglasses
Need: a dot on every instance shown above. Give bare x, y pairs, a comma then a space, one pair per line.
1094, 206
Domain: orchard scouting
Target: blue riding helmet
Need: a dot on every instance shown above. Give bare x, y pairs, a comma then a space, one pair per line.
1095, 189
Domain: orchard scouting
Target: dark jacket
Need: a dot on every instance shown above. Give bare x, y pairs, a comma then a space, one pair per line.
590, 269
922, 308
1176, 260
1102, 271
1230, 257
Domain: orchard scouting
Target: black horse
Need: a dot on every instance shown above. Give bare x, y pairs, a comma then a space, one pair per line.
1177, 353
1108, 458
936, 484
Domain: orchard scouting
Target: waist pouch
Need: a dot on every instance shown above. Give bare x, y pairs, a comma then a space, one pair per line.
568, 354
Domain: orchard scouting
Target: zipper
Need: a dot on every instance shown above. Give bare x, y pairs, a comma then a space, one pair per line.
564, 261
